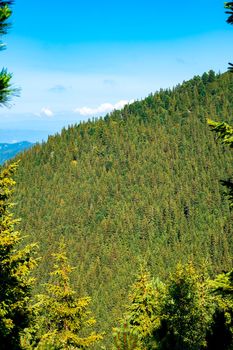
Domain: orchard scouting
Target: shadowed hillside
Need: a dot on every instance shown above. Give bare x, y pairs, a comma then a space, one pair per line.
140, 185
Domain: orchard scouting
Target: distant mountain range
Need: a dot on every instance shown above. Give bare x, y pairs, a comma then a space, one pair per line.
9, 150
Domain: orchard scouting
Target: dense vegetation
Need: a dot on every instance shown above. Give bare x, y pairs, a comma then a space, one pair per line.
139, 186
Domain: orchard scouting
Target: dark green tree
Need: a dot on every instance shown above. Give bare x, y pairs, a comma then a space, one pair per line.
225, 134
187, 312
229, 7
221, 332
15, 268
6, 89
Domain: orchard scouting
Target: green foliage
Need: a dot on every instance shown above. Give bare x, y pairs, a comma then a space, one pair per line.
63, 318
222, 327
5, 13
229, 7
139, 184
225, 133
15, 267
223, 130
16, 263
125, 338
187, 311
6, 89
143, 312
142, 315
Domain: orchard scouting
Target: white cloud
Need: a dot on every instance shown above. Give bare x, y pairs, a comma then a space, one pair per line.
46, 111
103, 108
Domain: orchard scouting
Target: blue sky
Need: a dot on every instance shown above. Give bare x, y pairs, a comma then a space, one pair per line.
79, 59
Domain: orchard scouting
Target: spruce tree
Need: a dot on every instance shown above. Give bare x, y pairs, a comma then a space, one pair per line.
187, 311
142, 316
63, 318
15, 267
143, 311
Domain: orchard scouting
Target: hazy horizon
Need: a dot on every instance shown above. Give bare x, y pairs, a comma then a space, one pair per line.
103, 55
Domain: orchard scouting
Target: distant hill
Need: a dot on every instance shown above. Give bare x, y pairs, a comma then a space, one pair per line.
140, 186
9, 150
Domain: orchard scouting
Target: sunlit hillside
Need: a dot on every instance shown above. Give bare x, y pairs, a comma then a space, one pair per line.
138, 186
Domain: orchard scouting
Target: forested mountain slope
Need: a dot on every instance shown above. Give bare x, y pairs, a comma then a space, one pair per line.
138, 186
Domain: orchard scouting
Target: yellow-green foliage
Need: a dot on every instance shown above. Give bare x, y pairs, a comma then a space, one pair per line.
126, 338
223, 130
63, 319
15, 268
187, 311
141, 183
222, 289
6, 89
143, 314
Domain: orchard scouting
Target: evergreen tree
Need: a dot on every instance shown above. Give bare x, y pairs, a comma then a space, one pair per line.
15, 263
63, 318
142, 316
221, 333
125, 339
6, 89
187, 311
15, 267
225, 133
121, 190
223, 130
143, 311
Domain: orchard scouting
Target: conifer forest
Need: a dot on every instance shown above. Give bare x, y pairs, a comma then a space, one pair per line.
116, 233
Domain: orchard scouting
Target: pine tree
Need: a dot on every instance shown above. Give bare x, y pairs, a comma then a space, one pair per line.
63, 318
15, 267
